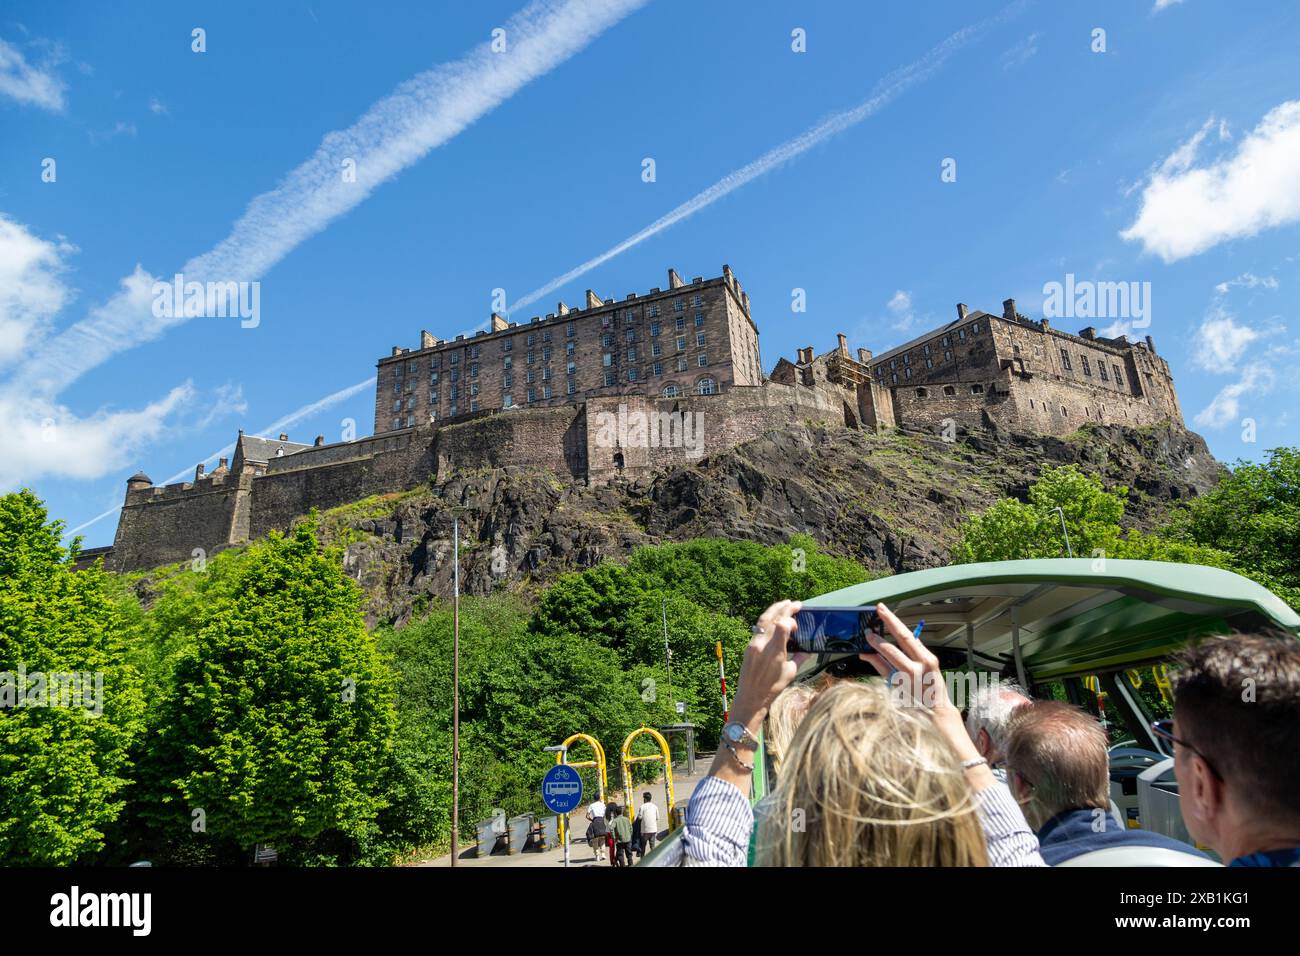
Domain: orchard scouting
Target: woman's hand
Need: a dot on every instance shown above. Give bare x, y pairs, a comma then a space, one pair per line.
916, 675
768, 668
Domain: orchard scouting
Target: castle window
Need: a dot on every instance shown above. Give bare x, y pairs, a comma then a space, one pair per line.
397, 388
473, 406
530, 358
572, 387
697, 301
455, 358
894, 378
455, 375
922, 393
568, 349
410, 385
654, 328
670, 391
546, 375
907, 359
546, 355
631, 375
947, 356
699, 340
699, 320
473, 351
629, 317
397, 369
433, 378
505, 362
607, 360
681, 363
453, 393
531, 339
926, 348
507, 380
397, 423
528, 377
706, 386
950, 390
609, 378
604, 321
891, 363
631, 335
907, 373
605, 340
546, 391
681, 343
977, 389
1065, 360
658, 369
974, 328
433, 398
654, 310
929, 363
1119, 379
656, 349
704, 360
681, 324
961, 335
1087, 369
679, 305
473, 388
397, 405
1101, 369
631, 353
945, 341
571, 369
410, 423
1064, 413
473, 369
546, 335
410, 404
568, 330
532, 395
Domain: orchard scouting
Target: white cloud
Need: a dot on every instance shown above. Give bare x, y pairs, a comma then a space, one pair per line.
1221, 341
396, 132
1247, 280
900, 310
1188, 209
32, 290
1164, 5
27, 84
158, 107
1225, 408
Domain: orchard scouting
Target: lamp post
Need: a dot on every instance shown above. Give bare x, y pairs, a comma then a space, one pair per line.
1068, 550
455, 688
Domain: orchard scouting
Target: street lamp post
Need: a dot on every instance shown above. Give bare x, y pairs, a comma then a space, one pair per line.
563, 751
1068, 550
455, 689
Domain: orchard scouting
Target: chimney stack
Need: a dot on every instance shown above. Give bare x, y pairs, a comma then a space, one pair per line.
593, 300
843, 343
1009, 309
497, 323
198, 471
427, 339
397, 350
284, 436
320, 440
961, 311
674, 280
744, 300
1151, 345
1088, 333
864, 356
727, 275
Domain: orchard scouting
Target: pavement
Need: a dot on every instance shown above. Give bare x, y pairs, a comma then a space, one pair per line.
579, 850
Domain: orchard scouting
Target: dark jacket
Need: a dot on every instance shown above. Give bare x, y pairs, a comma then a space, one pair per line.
1075, 832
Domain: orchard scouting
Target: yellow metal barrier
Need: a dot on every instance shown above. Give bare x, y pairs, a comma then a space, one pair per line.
665, 756
602, 774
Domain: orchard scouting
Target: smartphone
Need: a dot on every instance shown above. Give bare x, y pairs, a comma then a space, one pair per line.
835, 630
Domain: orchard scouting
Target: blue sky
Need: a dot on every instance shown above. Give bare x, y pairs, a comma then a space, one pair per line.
1171, 158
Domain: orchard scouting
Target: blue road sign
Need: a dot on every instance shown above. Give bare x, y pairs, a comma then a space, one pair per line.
562, 789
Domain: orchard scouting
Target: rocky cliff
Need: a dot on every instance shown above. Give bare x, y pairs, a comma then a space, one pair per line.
891, 501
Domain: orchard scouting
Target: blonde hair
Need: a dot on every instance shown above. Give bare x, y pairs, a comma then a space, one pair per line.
869, 782
783, 719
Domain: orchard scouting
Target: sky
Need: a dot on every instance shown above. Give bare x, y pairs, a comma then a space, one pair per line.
375, 169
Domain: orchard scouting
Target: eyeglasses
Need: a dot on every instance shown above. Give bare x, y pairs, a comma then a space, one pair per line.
1164, 729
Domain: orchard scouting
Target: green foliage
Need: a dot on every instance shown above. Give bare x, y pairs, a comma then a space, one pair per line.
62, 767
279, 715
1012, 529
1254, 515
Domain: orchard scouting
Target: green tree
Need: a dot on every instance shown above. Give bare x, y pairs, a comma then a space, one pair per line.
63, 766
279, 720
1012, 529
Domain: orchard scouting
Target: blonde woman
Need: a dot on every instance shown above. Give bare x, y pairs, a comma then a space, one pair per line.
879, 781
783, 719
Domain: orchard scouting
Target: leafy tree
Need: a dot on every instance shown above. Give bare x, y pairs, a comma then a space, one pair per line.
62, 766
278, 723
1254, 515
1012, 529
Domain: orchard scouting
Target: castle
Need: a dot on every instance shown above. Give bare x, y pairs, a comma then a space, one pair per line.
617, 388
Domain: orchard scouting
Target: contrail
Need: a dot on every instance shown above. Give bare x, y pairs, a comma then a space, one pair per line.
396, 132
274, 428
885, 91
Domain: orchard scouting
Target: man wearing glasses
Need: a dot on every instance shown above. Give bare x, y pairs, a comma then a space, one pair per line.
1236, 736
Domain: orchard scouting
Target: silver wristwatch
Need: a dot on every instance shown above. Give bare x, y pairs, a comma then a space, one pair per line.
735, 732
